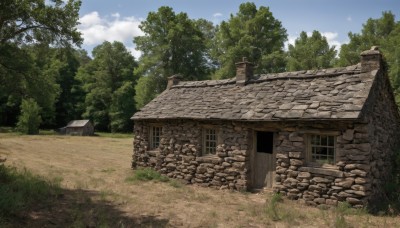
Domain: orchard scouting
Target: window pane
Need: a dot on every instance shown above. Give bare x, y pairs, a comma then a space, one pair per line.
324, 141
210, 141
322, 148
331, 141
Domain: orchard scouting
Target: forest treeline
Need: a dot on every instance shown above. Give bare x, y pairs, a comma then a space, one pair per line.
47, 80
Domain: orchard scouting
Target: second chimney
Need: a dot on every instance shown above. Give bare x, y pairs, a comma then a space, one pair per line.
371, 59
244, 71
173, 80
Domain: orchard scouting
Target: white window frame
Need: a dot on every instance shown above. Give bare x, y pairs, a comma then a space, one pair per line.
328, 146
154, 136
210, 141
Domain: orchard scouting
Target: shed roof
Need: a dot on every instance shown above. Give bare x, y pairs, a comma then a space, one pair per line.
77, 123
336, 93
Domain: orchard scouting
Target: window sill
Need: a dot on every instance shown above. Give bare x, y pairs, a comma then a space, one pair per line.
323, 171
323, 166
153, 152
209, 158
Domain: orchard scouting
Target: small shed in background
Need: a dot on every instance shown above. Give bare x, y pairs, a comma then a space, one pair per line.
78, 127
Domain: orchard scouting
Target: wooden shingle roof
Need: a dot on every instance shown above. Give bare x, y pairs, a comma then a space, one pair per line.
337, 93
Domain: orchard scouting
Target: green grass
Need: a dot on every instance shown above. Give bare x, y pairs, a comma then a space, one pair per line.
114, 135
272, 209
146, 174
21, 189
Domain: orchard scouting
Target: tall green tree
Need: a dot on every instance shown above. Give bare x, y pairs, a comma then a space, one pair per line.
29, 120
36, 78
172, 44
375, 32
27, 27
69, 103
311, 52
252, 33
109, 83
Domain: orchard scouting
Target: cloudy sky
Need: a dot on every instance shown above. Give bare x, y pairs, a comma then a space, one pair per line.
119, 19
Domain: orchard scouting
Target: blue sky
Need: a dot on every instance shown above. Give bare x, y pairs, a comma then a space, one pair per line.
119, 19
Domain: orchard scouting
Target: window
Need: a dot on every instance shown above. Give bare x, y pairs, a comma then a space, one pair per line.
209, 141
322, 149
155, 133
265, 142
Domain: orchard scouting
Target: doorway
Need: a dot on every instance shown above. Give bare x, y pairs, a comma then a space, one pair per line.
263, 160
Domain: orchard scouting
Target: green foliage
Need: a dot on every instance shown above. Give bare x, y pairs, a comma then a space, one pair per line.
40, 21
342, 209
374, 32
108, 81
271, 208
310, 53
27, 30
20, 190
70, 103
252, 33
147, 174
172, 44
29, 120
145, 90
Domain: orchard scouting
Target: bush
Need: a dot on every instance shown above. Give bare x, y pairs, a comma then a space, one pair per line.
29, 120
147, 174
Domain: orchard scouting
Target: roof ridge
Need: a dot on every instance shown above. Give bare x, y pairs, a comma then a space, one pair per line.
304, 74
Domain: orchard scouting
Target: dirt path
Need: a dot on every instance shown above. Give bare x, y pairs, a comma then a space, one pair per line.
92, 172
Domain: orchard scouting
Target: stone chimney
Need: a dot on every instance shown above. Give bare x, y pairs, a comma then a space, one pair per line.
371, 59
244, 71
173, 80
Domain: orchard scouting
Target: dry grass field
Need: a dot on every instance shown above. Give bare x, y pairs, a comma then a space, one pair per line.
94, 174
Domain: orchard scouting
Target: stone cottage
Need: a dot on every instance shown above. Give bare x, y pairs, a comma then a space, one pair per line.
319, 136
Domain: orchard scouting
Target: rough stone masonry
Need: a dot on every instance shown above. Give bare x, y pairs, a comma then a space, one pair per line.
353, 105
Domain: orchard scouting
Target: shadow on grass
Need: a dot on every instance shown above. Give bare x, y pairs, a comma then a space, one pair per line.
27, 200
75, 208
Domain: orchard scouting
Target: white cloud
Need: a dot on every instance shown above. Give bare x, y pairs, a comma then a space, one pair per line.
217, 15
331, 37
134, 52
291, 40
349, 18
96, 29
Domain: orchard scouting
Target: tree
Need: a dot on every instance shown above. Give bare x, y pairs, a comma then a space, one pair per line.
310, 53
108, 81
252, 33
70, 104
27, 30
36, 71
375, 32
172, 44
39, 21
29, 120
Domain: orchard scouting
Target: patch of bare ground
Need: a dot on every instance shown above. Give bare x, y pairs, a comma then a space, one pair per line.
93, 172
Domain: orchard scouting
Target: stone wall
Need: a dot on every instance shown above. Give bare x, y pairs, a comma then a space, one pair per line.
179, 155
347, 180
384, 134
362, 154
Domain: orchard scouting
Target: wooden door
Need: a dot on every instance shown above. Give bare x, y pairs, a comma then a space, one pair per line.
263, 160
